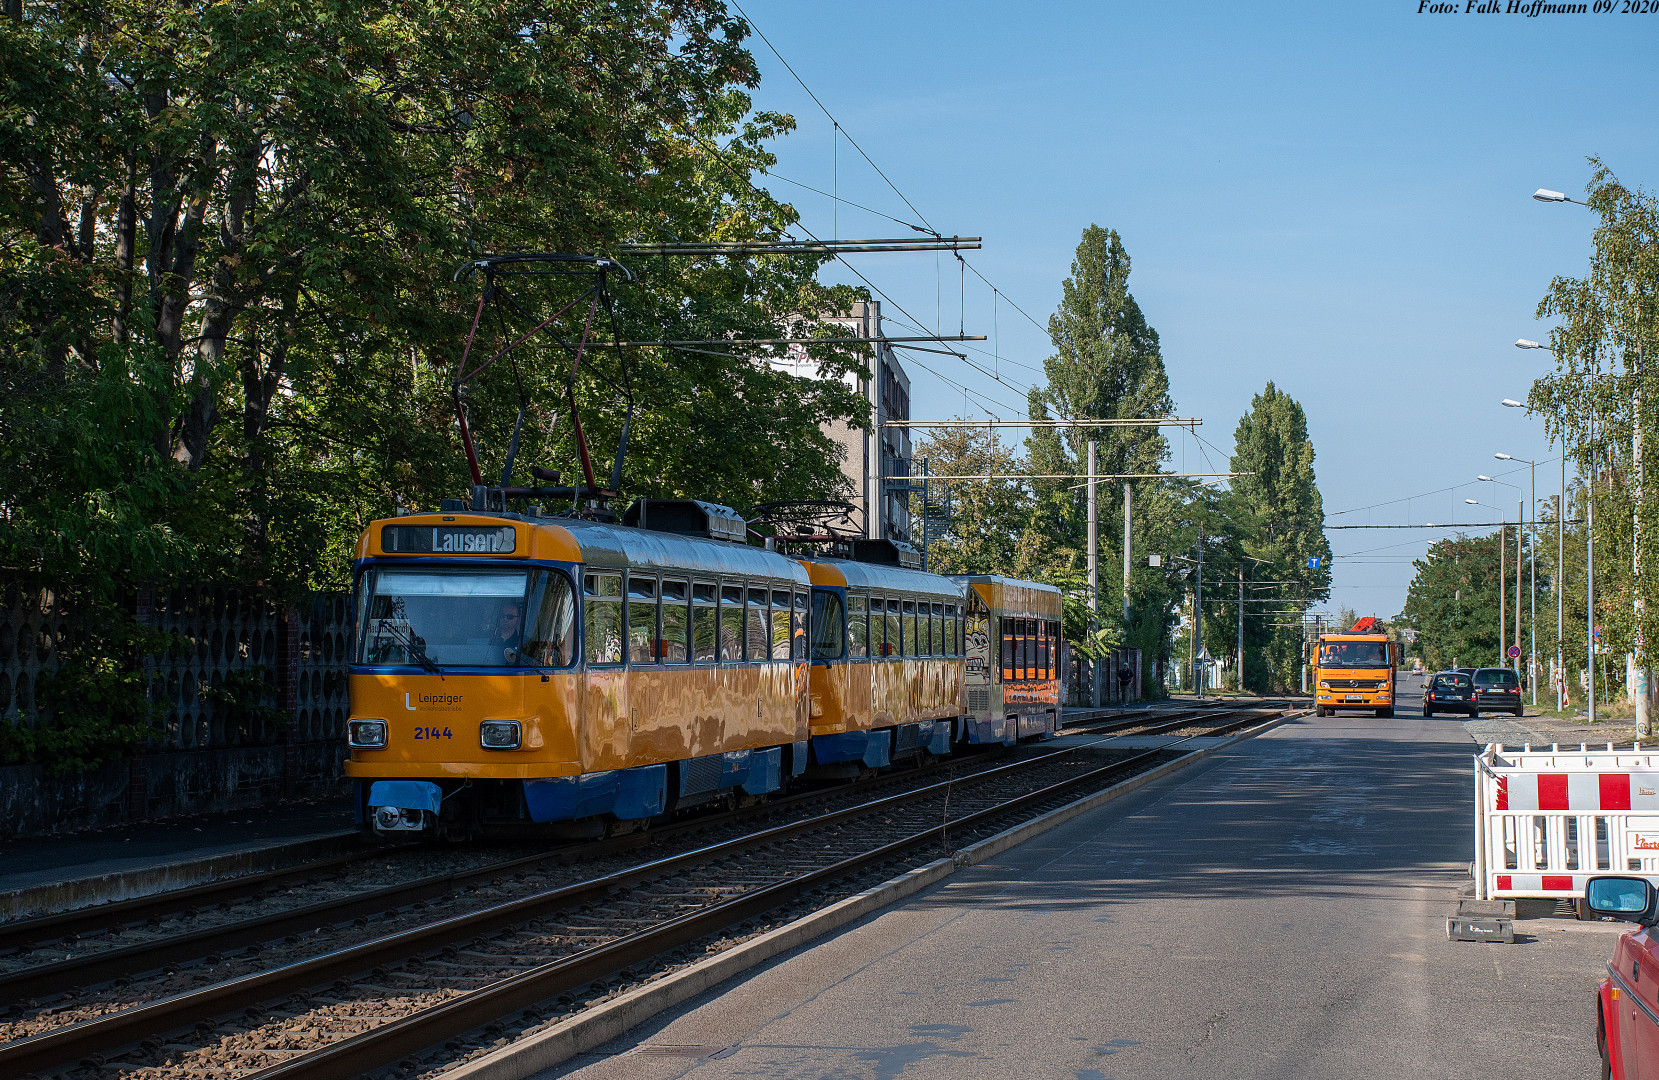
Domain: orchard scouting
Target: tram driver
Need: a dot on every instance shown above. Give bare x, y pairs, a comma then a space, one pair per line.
509, 627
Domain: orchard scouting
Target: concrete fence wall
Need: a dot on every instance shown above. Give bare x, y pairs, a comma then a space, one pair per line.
210, 755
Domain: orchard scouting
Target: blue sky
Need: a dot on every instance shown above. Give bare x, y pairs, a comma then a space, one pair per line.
1333, 196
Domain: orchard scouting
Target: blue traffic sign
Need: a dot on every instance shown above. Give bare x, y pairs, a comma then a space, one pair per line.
1313, 562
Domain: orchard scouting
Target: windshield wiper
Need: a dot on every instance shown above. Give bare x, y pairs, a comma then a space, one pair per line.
411, 644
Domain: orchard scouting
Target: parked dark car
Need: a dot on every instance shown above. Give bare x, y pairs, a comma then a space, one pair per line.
1497, 689
1449, 691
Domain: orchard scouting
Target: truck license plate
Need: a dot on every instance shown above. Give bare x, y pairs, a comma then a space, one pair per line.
1354, 697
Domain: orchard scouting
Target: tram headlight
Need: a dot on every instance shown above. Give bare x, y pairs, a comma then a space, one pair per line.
367, 734
499, 734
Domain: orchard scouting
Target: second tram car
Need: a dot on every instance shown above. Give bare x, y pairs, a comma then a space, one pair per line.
886, 658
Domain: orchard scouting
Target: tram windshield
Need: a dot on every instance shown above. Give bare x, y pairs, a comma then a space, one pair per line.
1354, 654
471, 617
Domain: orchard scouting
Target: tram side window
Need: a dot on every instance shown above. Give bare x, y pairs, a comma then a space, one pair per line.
878, 626
828, 643
895, 623
602, 618
1006, 633
909, 628
950, 629
781, 625
731, 624
858, 627
705, 623
1029, 648
675, 631
1042, 651
550, 639
756, 624
642, 619
801, 627
938, 622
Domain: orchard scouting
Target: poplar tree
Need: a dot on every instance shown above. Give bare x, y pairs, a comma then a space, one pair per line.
1106, 364
1280, 518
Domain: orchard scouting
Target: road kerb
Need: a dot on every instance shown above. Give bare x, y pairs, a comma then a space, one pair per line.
607, 1021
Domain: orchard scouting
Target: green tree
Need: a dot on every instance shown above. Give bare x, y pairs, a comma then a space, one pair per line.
228, 235
1281, 521
1452, 602
1599, 399
988, 517
243, 219
1107, 364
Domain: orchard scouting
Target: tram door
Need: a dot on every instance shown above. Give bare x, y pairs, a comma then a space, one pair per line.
980, 672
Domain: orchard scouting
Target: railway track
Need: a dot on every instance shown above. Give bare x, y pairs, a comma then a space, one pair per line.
217, 901
365, 1006
98, 959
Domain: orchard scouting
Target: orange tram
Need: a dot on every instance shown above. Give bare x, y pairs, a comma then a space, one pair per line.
524, 673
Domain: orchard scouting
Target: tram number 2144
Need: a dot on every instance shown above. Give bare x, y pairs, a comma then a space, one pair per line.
433, 733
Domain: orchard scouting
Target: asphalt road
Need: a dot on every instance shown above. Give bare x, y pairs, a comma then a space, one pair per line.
1276, 911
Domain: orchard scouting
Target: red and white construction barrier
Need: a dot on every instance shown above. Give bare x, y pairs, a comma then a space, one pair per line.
1546, 821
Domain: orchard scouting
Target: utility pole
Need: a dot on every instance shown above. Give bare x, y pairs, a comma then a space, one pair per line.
1520, 517
1127, 545
1241, 627
1560, 584
1128, 541
1644, 722
1590, 574
875, 483
1198, 620
1503, 590
1094, 582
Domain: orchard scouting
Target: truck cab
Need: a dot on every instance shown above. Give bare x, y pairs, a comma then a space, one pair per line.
1355, 670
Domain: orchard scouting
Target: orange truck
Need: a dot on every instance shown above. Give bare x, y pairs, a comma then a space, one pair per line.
1356, 669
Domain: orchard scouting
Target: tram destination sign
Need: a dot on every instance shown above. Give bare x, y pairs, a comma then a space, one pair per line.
448, 539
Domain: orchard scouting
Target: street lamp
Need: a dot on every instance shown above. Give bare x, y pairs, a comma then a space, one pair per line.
1532, 566
1561, 565
1546, 195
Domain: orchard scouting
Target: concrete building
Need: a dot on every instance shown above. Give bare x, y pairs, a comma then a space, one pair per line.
883, 451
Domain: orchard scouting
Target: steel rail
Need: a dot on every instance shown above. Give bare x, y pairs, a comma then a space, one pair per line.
362, 1053
1184, 719
60, 976
20, 932
73, 1041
